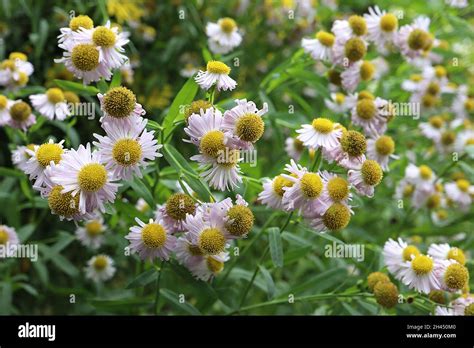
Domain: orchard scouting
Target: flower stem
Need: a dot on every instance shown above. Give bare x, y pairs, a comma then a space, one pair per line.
157, 291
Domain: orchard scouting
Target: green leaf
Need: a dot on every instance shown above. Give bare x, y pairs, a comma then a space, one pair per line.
24, 232
174, 298
142, 190
6, 298
42, 272
184, 97
116, 80
103, 86
64, 265
11, 172
276, 248
268, 281
142, 279
75, 87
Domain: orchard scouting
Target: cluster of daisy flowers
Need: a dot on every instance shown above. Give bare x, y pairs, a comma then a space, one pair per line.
92, 53
441, 273
196, 234
15, 71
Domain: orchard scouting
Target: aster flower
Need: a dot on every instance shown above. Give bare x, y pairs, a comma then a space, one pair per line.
127, 150
15, 71
460, 192
381, 26
209, 266
244, 123
40, 158
238, 218
395, 253
433, 128
354, 26
223, 35
350, 151
338, 103
217, 73
381, 150
205, 131
75, 24
100, 268
348, 51
119, 105
222, 173
294, 148
82, 173
52, 104
91, 234
365, 178
419, 274
371, 115
463, 305
443, 311
336, 190
413, 39
422, 177
173, 213
451, 275
8, 236
151, 240
21, 116
319, 48
187, 254
357, 72
322, 132
20, 157
333, 217
272, 193
5, 105
463, 139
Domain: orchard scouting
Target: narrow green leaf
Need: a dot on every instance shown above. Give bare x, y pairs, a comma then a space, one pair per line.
276, 248
142, 190
76, 87
176, 302
11, 172
143, 279
116, 80
268, 281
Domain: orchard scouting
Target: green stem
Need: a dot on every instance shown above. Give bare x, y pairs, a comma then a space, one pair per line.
157, 294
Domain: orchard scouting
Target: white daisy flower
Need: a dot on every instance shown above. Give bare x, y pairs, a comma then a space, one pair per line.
272, 193
244, 123
457, 3
217, 73
338, 103
119, 105
82, 59
238, 218
381, 150
109, 41
460, 192
319, 48
174, 211
371, 115
336, 190
463, 139
365, 178
142, 206
20, 157
91, 234
433, 128
443, 311
382, 27
151, 240
463, 305
413, 39
21, 116
82, 173
332, 217
222, 173
354, 26
422, 177
348, 51
395, 253
294, 148
307, 186
127, 150
8, 237
15, 71
207, 234
40, 158
451, 275
187, 254
75, 24
52, 104
322, 132
205, 131
5, 104
419, 274
100, 268
223, 35
357, 72
209, 266
462, 105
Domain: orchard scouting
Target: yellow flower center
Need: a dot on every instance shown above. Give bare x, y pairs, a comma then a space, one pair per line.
22, 79
410, 251
103, 37
3, 102
178, 205
442, 214
358, 25
100, 263
422, 265
3, 237
419, 40
355, 49
127, 152
416, 77
195, 108
469, 310
228, 25
365, 95
388, 22
55, 95
469, 104
463, 185
323, 125
371, 172
336, 217
49, 152
408, 190
63, 204
85, 57
250, 127
215, 266
375, 277
153, 236
433, 201
279, 183
298, 145
94, 228
428, 100
457, 255
386, 294
194, 250
436, 121
311, 185
456, 276
425, 172
339, 98
8, 64
325, 38
469, 141
385, 145
81, 22
366, 109
338, 188
211, 241
353, 143
448, 138
212, 143
240, 220
433, 88
216, 67
18, 55
367, 70
92, 177
440, 71
20, 111
119, 102
334, 77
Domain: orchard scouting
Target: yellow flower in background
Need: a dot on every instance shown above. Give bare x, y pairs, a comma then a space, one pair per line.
125, 10
160, 98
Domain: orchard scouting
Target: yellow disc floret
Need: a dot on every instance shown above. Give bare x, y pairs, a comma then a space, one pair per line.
375, 277
195, 108
81, 22
216, 67
457, 255
410, 251
250, 127
119, 102
178, 205
92, 177
55, 95
358, 25
325, 38
388, 22
311, 185
63, 204
386, 294
212, 143
419, 40
355, 49
127, 152
20, 111
153, 235
3, 236
425, 172
227, 24
323, 125
100, 263
367, 70
211, 241
463, 185
422, 264
279, 183
49, 152
104, 37
94, 228
338, 188
3, 102
371, 172
336, 217
456, 276
366, 109
240, 220
85, 57
354, 143
215, 266
385, 145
